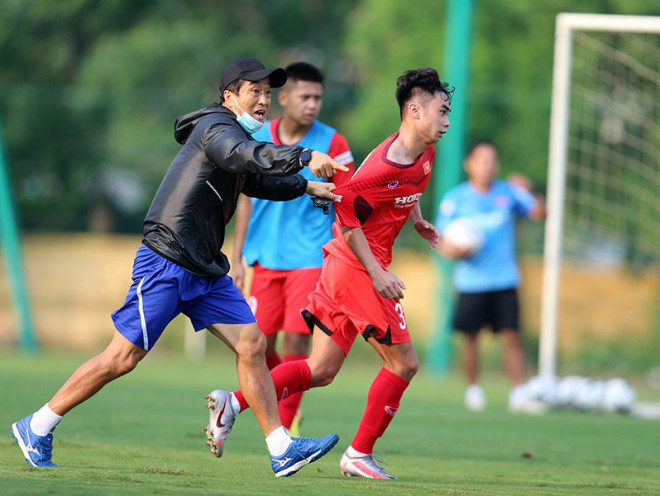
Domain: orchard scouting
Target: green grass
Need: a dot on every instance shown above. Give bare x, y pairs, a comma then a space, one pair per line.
143, 435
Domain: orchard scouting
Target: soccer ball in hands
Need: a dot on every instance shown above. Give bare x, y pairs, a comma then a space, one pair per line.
464, 234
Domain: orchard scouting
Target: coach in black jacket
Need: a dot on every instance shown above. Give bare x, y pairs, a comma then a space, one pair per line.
197, 198
180, 267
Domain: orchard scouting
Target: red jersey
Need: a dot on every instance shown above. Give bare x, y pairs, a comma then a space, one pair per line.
378, 199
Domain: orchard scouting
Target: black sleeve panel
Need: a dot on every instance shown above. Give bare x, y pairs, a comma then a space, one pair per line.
274, 188
362, 209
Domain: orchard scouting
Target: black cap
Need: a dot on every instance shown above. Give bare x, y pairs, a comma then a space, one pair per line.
251, 70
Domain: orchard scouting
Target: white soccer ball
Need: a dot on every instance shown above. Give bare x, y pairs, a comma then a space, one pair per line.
464, 234
590, 395
544, 389
568, 390
619, 396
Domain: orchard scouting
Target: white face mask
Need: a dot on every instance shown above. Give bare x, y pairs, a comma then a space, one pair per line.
247, 122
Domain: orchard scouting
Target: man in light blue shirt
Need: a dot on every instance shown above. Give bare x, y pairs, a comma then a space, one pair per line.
487, 279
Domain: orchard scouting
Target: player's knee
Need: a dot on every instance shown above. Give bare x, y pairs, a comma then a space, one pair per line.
112, 367
295, 344
411, 367
322, 375
406, 368
271, 342
251, 344
126, 364
116, 363
322, 380
510, 338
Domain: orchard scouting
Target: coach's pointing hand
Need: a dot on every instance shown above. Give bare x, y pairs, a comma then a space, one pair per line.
323, 165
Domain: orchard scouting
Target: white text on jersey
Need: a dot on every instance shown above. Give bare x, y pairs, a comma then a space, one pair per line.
407, 201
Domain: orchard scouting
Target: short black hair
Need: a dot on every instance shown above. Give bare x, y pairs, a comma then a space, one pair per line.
302, 71
419, 80
234, 87
481, 142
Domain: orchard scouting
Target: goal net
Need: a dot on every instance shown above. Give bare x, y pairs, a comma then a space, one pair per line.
604, 169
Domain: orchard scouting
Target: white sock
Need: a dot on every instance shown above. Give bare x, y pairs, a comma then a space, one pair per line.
518, 393
474, 389
278, 441
44, 420
235, 405
353, 453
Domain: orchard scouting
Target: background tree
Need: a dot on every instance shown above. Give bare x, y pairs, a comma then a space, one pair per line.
89, 90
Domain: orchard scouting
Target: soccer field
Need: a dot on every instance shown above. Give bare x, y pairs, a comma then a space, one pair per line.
143, 435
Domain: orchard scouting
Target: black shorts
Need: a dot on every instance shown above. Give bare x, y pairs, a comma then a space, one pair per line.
496, 309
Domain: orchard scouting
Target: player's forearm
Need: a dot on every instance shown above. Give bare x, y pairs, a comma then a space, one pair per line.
360, 246
538, 213
416, 214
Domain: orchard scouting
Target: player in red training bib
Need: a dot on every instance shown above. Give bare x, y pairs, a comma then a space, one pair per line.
356, 294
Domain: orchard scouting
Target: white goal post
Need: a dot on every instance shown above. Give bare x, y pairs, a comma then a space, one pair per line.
567, 25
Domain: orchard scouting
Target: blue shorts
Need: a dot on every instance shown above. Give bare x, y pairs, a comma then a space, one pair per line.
161, 290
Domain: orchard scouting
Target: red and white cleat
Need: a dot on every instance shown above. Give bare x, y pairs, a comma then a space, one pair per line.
221, 420
362, 466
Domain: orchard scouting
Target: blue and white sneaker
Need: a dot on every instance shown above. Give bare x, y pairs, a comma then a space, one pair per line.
302, 451
37, 450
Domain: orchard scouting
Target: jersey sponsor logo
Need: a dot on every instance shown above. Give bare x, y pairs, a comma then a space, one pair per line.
491, 220
426, 167
391, 410
393, 184
407, 201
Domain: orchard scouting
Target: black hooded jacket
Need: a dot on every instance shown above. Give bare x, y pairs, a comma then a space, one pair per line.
198, 195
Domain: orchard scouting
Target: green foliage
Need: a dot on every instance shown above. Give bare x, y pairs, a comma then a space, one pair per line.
99, 84
384, 39
89, 89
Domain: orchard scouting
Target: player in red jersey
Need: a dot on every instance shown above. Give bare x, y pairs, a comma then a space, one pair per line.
356, 293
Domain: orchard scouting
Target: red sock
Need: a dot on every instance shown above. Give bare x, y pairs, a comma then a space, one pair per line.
273, 360
382, 403
289, 406
289, 378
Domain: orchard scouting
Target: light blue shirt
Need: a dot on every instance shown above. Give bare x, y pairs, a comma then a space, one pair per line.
286, 235
495, 265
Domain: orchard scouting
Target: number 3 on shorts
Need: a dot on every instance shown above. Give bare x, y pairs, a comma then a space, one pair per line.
399, 309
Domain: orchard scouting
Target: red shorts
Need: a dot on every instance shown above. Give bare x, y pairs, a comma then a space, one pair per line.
278, 296
346, 303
